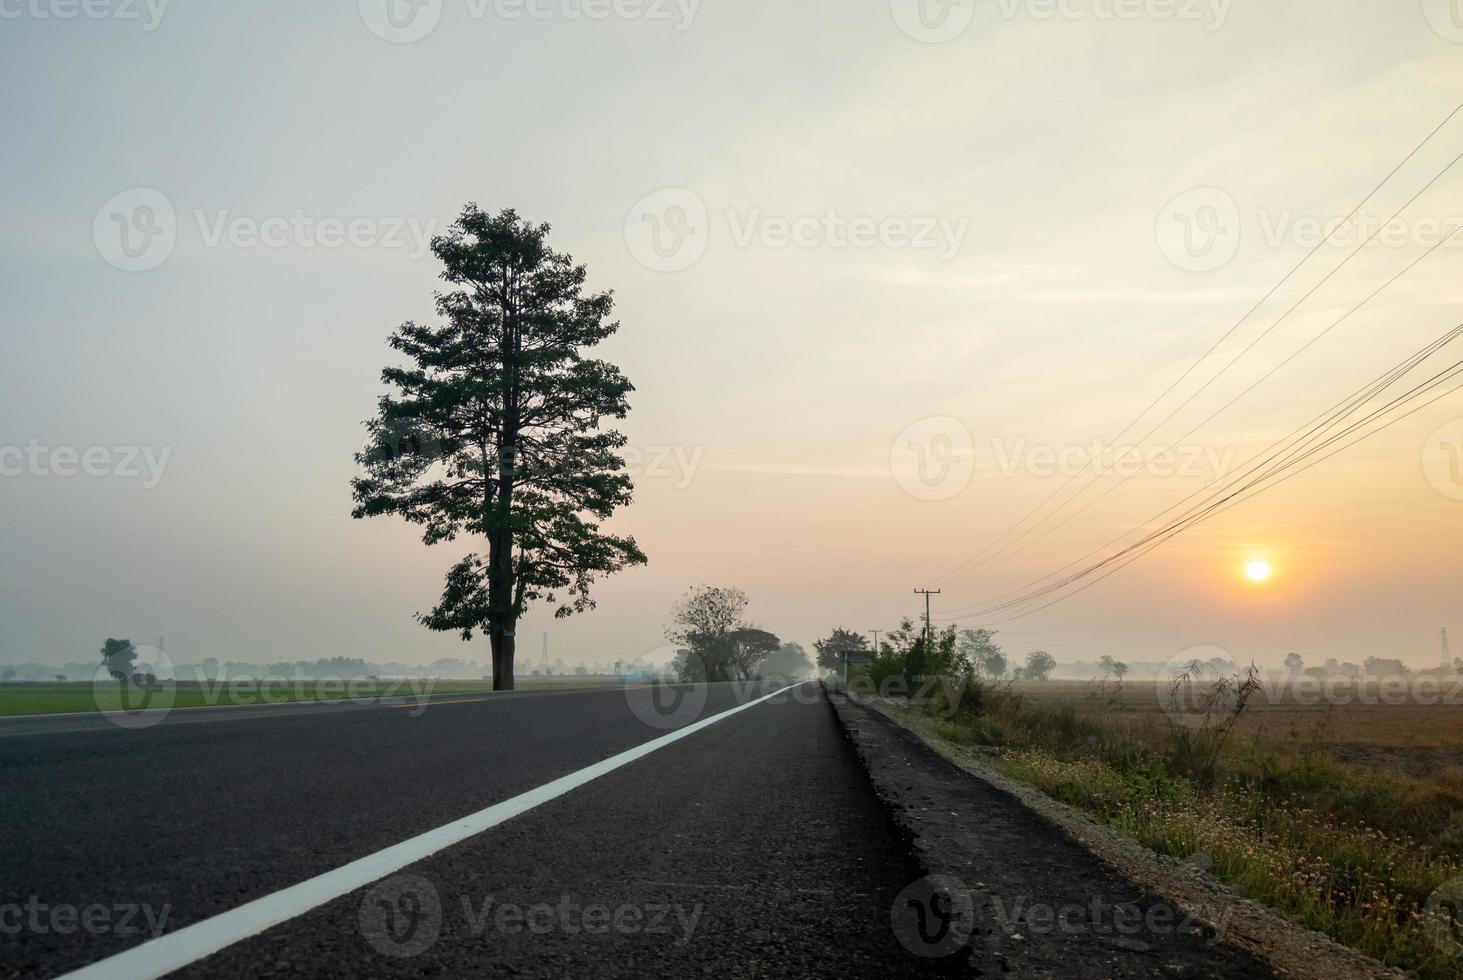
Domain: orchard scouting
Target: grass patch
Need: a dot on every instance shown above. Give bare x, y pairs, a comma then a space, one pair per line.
61, 698
1352, 851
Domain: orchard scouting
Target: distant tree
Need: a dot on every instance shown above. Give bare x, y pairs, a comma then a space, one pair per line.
995, 665
61, 678
118, 656
1107, 665
707, 610
1294, 663
1385, 667
790, 662
722, 646
831, 648
1039, 665
1119, 669
496, 430
7, 675
749, 648
686, 668
980, 648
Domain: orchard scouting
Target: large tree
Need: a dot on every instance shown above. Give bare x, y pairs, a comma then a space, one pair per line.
496, 429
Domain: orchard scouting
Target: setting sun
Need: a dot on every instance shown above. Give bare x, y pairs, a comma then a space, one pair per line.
1258, 570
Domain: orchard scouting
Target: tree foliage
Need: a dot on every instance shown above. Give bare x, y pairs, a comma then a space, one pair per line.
1039, 666
119, 657
831, 647
789, 663
985, 655
708, 621
495, 429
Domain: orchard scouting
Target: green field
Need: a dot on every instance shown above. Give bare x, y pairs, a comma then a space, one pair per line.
48, 698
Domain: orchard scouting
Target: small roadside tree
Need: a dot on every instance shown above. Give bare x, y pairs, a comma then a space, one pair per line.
118, 656
495, 429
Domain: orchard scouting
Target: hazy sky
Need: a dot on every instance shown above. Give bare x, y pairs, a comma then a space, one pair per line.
825, 223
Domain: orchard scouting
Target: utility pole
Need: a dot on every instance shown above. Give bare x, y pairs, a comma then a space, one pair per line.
876, 641
927, 593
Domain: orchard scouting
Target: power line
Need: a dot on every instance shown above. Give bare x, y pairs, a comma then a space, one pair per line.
1206, 509
1204, 512
1175, 533
995, 543
1341, 408
1222, 409
1008, 551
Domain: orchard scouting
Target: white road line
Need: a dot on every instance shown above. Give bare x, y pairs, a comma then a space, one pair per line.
176, 950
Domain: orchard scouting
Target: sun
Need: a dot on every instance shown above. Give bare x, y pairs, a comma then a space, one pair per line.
1258, 570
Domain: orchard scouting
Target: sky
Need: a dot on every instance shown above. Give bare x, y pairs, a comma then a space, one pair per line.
877, 265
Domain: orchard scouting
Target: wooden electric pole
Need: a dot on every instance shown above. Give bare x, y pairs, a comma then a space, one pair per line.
928, 637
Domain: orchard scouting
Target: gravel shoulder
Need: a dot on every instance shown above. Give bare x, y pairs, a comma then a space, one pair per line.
1053, 893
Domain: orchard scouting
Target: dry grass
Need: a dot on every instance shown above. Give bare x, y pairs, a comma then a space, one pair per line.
1327, 811
1354, 716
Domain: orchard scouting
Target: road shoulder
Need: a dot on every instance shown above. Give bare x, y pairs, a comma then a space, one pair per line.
1022, 854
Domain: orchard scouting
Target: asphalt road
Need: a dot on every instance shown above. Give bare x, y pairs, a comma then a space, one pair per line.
754, 846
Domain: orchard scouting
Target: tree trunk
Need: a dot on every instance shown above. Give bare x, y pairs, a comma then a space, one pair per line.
503, 645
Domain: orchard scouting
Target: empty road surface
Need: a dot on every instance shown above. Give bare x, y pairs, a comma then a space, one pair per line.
752, 846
